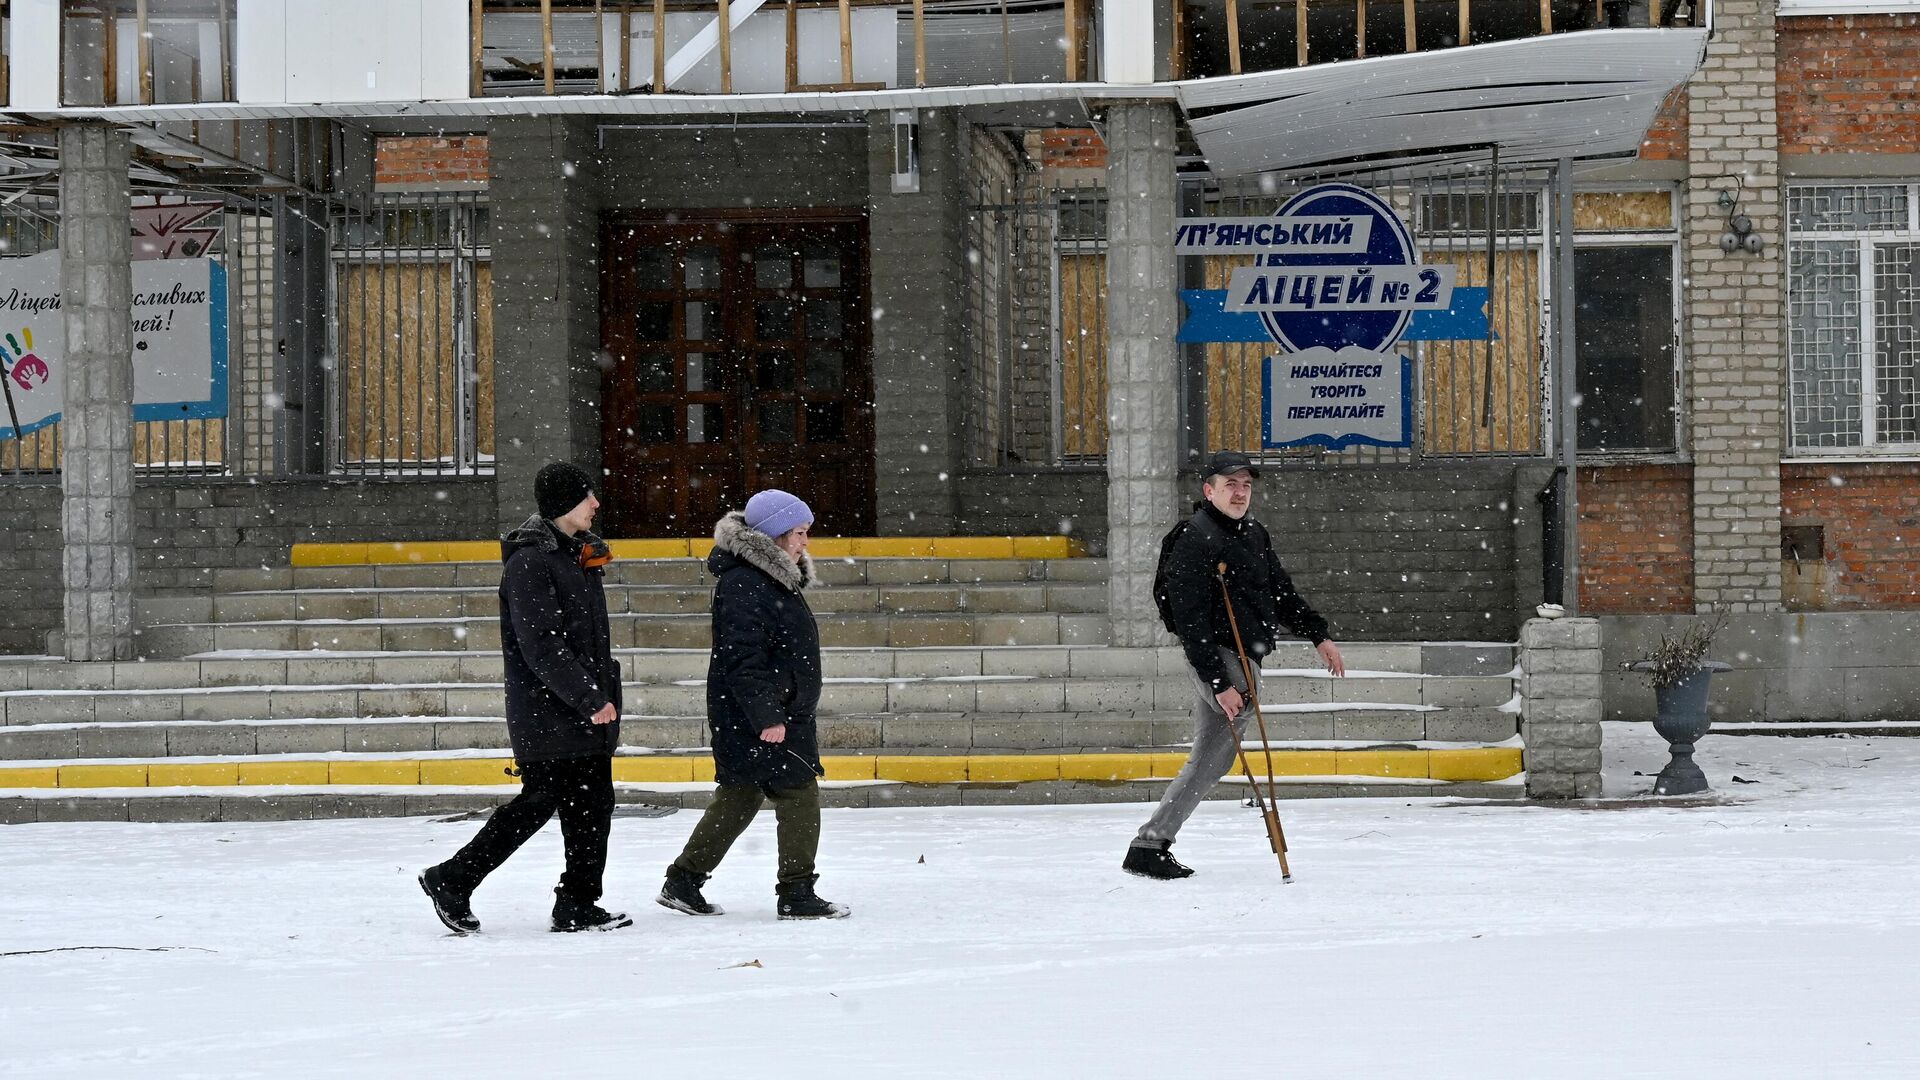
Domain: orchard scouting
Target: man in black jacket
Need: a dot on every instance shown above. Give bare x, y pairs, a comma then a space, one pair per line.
1264, 603
563, 709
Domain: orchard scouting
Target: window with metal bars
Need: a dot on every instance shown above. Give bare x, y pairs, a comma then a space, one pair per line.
1853, 317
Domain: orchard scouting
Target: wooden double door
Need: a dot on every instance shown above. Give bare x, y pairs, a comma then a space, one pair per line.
741, 360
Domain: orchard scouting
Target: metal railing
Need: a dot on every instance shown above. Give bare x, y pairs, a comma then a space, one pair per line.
410, 356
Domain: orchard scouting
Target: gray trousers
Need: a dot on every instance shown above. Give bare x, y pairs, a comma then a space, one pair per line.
1216, 746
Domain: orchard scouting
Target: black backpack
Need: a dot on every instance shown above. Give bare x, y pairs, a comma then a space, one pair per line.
1160, 598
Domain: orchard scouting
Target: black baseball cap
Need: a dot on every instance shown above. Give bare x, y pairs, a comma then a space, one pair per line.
1228, 462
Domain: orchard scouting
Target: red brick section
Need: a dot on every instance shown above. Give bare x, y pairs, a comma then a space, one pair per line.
1667, 139
1871, 515
1072, 148
1849, 84
419, 160
1636, 540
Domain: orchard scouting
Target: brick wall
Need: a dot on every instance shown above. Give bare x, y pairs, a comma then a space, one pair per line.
1735, 316
1636, 540
430, 161
1072, 148
1667, 139
1849, 84
1871, 517
183, 532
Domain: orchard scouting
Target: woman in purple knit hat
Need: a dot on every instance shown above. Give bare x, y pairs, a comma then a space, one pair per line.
763, 686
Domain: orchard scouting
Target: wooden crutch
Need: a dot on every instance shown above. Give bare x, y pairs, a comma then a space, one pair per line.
1269, 803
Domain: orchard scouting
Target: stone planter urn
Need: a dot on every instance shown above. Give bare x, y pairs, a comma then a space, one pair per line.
1682, 720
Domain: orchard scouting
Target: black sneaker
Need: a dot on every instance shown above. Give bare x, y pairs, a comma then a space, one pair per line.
682, 893
571, 916
455, 908
797, 901
1155, 862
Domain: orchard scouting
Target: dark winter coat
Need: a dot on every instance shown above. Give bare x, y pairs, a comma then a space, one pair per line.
766, 660
560, 668
1264, 599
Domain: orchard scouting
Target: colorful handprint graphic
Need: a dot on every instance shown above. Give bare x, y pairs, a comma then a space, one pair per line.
21, 365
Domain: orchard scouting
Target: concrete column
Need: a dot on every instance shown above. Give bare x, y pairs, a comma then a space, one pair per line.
546, 198
1143, 362
1560, 707
96, 297
918, 287
1736, 318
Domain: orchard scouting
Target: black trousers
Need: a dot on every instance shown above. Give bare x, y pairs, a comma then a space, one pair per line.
580, 790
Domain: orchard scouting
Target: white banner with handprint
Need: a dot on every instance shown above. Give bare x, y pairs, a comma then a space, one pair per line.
179, 341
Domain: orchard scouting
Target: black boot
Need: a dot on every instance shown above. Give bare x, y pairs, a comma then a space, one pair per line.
682, 893
570, 915
797, 901
454, 907
1155, 862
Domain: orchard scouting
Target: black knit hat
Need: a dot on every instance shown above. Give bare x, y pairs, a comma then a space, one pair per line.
560, 487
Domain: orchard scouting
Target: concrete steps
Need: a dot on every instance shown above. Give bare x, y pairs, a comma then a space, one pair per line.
291, 734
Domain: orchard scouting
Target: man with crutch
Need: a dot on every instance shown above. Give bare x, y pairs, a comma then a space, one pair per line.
1218, 555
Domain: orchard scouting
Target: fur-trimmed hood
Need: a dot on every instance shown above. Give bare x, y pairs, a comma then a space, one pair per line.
734, 540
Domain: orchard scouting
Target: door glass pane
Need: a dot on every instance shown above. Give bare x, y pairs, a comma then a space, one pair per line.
772, 268
823, 318
705, 372
653, 268
656, 424
706, 423
656, 373
1624, 321
699, 314
703, 268
822, 268
826, 371
777, 421
773, 320
653, 320
826, 422
773, 370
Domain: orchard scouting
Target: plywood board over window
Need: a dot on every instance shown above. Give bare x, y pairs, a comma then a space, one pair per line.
1622, 211
1233, 374
1457, 418
399, 363
1083, 355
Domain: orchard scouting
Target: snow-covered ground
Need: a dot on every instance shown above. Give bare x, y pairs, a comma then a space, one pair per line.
1773, 933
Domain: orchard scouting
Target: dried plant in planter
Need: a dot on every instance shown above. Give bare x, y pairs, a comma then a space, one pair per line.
1676, 658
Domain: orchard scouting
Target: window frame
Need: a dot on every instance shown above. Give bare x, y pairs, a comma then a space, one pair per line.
1669, 239
1869, 447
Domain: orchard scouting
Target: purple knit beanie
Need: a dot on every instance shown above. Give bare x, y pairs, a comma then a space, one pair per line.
776, 512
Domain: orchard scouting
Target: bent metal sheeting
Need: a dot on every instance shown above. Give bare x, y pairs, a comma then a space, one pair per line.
1579, 95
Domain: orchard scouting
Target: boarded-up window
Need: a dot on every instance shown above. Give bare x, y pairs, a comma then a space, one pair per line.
1233, 375
400, 344
1484, 397
1083, 355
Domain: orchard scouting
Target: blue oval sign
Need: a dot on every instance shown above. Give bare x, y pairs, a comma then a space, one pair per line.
1388, 244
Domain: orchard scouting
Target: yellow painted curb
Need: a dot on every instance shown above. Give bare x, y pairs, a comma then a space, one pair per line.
825, 547
1167, 766
973, 547
1013, 768
193, 774
1106, 766
1467, 764
841, 768
103, 776
922, 770
653, 770
26, 778
1479, 763
1401, 763
300, 773
650, 549
462, 771
373, 773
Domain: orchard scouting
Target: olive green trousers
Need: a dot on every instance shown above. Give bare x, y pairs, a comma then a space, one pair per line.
797, 815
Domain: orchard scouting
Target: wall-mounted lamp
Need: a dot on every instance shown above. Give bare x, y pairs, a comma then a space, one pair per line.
906, 151
1739, 234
